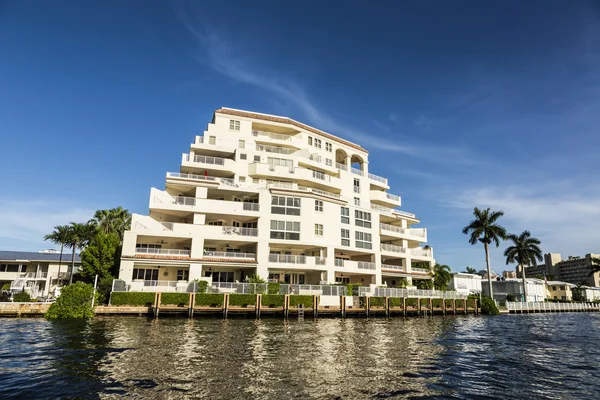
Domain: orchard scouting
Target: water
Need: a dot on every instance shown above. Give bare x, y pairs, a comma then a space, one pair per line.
553, 356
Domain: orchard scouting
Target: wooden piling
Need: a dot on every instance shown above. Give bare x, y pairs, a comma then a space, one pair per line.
191, 305
387, 307
431, 307
286, 305
315, 306
343, 306
444, 306
404, 306
466, 307
156, 304
225, 304
454, 306
368, 305
257, 305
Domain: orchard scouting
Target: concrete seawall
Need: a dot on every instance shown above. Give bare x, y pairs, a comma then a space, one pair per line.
23, 309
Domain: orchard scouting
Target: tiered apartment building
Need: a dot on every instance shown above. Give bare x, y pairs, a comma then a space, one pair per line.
267, 195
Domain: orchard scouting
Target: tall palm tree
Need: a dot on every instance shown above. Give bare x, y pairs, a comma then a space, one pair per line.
441, 276
595, 265
79, 236
524, 251
59, 236
485, 229
116, 220
471, 270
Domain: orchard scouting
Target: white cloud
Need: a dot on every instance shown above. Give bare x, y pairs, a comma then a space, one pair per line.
24, 223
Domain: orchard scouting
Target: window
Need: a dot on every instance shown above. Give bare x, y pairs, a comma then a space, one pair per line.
317, 143
362, 218
318, 174
562, 288
342, 279
215, 223
220, 276
145, 274
234, 125
242, 179
243, 156
357, 201
328, 146
363, 240
318, 230
345, 215
553, 288
274, 162
310, 140
345, 237
285, 205
256, 158
287, 230
319, 205
255, 180
212, 139
242, 144
329, 161
183, 274
250, 224
356, 185
147, 246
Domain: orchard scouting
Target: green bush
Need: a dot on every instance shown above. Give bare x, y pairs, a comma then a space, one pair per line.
202, 286
179, 299
402, 283
132, 299
510, 297
6, 286
488, 306
22, 297
395, 302
350, 288
448, 302
425, 284
274, 288
104, 289
411, 303
272, 300
425, 302
437, 303
209, 299
307, 301
75, 301
377, 301
242, 300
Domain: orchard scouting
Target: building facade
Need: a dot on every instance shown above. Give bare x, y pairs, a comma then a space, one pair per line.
558, 290
267, 195
39, 274
576, 270
465, 283
536, 289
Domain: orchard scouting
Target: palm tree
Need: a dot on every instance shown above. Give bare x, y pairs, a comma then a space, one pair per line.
59, 236
485, 229
116, 220
80, 236
471, 270
524, 251
595, 265
441, 276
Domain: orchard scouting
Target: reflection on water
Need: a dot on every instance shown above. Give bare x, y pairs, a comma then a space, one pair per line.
530, 356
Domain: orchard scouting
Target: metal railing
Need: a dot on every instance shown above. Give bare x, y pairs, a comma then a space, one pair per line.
392, 228
235, 230
318, 175
393, 248
420, 270
272, 135
287, 258
378, 178
420, 252
199, 139
184, 201
366, 265
392, 196
394, 267
239, 287
168, 225
251, 206
324, 193
204, 159
26, 274
227, 181
320, 261
168, 252
410, 293
403, 213
550, 306
191, 176
339, 262
378, 208
229, 254
357, 171
275, 149
343, 167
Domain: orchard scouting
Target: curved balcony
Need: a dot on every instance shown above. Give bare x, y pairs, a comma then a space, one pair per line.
213, 146
384, 198
280, 139
417, 234
216, 165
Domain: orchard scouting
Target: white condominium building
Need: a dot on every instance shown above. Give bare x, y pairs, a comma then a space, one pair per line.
267, 195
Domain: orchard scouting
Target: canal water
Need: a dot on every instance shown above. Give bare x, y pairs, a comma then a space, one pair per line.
545, 356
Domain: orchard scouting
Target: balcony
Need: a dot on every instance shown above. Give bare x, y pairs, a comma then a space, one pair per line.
275, 149
420, 252
237, 231
316, 161
215, 164
377, 180
33, 275
158, 286
357, 171
350, 265
341, 167
277, 138
230, 254
163, 252
163, 201
288, 259
392, 248
395, 268
420, 270
193, 179
392, 211
385, 199
213, 146
304, 176
417, 234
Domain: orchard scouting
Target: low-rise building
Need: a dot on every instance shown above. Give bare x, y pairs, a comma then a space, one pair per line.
465, 283
509, 274
557, 290
588, 293
38, 273
513, 290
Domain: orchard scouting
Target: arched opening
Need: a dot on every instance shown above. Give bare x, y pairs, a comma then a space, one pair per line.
357, 162
341, 156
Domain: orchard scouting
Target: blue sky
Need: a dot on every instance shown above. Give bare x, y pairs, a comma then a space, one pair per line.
460, 104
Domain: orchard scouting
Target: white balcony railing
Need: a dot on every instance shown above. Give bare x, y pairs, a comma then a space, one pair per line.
192, 177
366, 265
168, 226
320, 261
229, 254
392, 197
357, 171
287, 259
164, 252
403, 213
342, 167
199, 139
378, 178
26, 274
392, 228
418, 251
393, 248
420, 270
237, 231
275, 149
204, 159
392, 211
251, 206
184, 201
318, 175
272, 135
393, 267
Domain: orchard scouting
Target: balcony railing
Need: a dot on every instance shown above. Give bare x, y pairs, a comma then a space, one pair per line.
392, 197
339, 262
393, 248
320, 261
418, 251
342, 167
403, 213
357, 171
392, 228
184, 201
275, 149
394, 267
168, 225
164, 252
287, 259
204, 159
192, 176
272, 135
420, 270
237, 231
230, 254
378, 178
366, 265
199, 139
319, 191
251, 206
392, 211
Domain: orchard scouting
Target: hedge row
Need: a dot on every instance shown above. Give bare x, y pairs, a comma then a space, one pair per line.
411, 302
437, 303
377, 302
272, 300
295, 300
179, 299
395, 302
132, 299
242, 300
209, 299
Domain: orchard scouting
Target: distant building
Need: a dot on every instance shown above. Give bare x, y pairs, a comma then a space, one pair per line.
574, 270
589, 293
465, 283
509, 274
559, 290
35, 273
536, 290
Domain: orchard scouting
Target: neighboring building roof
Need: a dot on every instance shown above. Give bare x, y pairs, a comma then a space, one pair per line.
467, 275
560, 283
35, 256
286, 120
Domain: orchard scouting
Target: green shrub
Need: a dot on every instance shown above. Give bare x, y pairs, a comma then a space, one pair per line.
307, 301
209, 299
395, 302
22, 297
402, 283
255, 278
274, 288
488, 306
132, 299
6, 286
425, 302
437, 303
242, 300
75, 301
202, 286
510, 297
448, 302
425, 284
377, 301
411, 302
350, 288
179, 299
272, 300
104, 288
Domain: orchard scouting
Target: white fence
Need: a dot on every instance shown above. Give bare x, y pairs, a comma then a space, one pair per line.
550, 306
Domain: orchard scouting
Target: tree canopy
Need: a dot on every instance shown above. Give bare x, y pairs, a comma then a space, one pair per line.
441, 276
